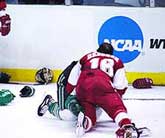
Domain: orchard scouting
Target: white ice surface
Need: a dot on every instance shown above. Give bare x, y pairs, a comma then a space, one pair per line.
19, 119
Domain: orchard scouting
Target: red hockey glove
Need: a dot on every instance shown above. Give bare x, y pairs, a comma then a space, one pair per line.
142, 83
2, 5
5, 22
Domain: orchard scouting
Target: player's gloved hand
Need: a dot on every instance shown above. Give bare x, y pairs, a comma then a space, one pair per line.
5, 23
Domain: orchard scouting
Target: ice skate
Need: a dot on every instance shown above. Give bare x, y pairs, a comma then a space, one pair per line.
80, 131
44, 105
130, 133
127, 131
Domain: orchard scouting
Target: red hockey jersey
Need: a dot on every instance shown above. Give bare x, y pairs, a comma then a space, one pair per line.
109, 67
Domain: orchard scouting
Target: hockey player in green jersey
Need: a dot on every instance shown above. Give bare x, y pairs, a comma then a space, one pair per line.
66, 107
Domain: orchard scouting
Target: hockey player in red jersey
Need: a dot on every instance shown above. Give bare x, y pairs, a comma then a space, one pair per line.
4, 19
99, 79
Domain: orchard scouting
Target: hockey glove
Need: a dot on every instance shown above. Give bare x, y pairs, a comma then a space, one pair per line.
142, 83
6, 97
4, 77
5, 23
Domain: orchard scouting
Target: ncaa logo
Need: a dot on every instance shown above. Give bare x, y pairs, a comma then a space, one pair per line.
125, 35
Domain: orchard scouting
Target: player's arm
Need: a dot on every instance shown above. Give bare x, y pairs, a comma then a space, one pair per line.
5, 20
73, 78
62, 94
65, 86
120, 81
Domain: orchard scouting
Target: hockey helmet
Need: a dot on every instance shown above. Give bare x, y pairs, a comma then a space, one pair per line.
44, 75
106, 48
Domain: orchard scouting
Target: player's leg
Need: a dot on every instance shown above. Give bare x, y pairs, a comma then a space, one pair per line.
49, 104
73, 105
115, 108
62, 114
61, 91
